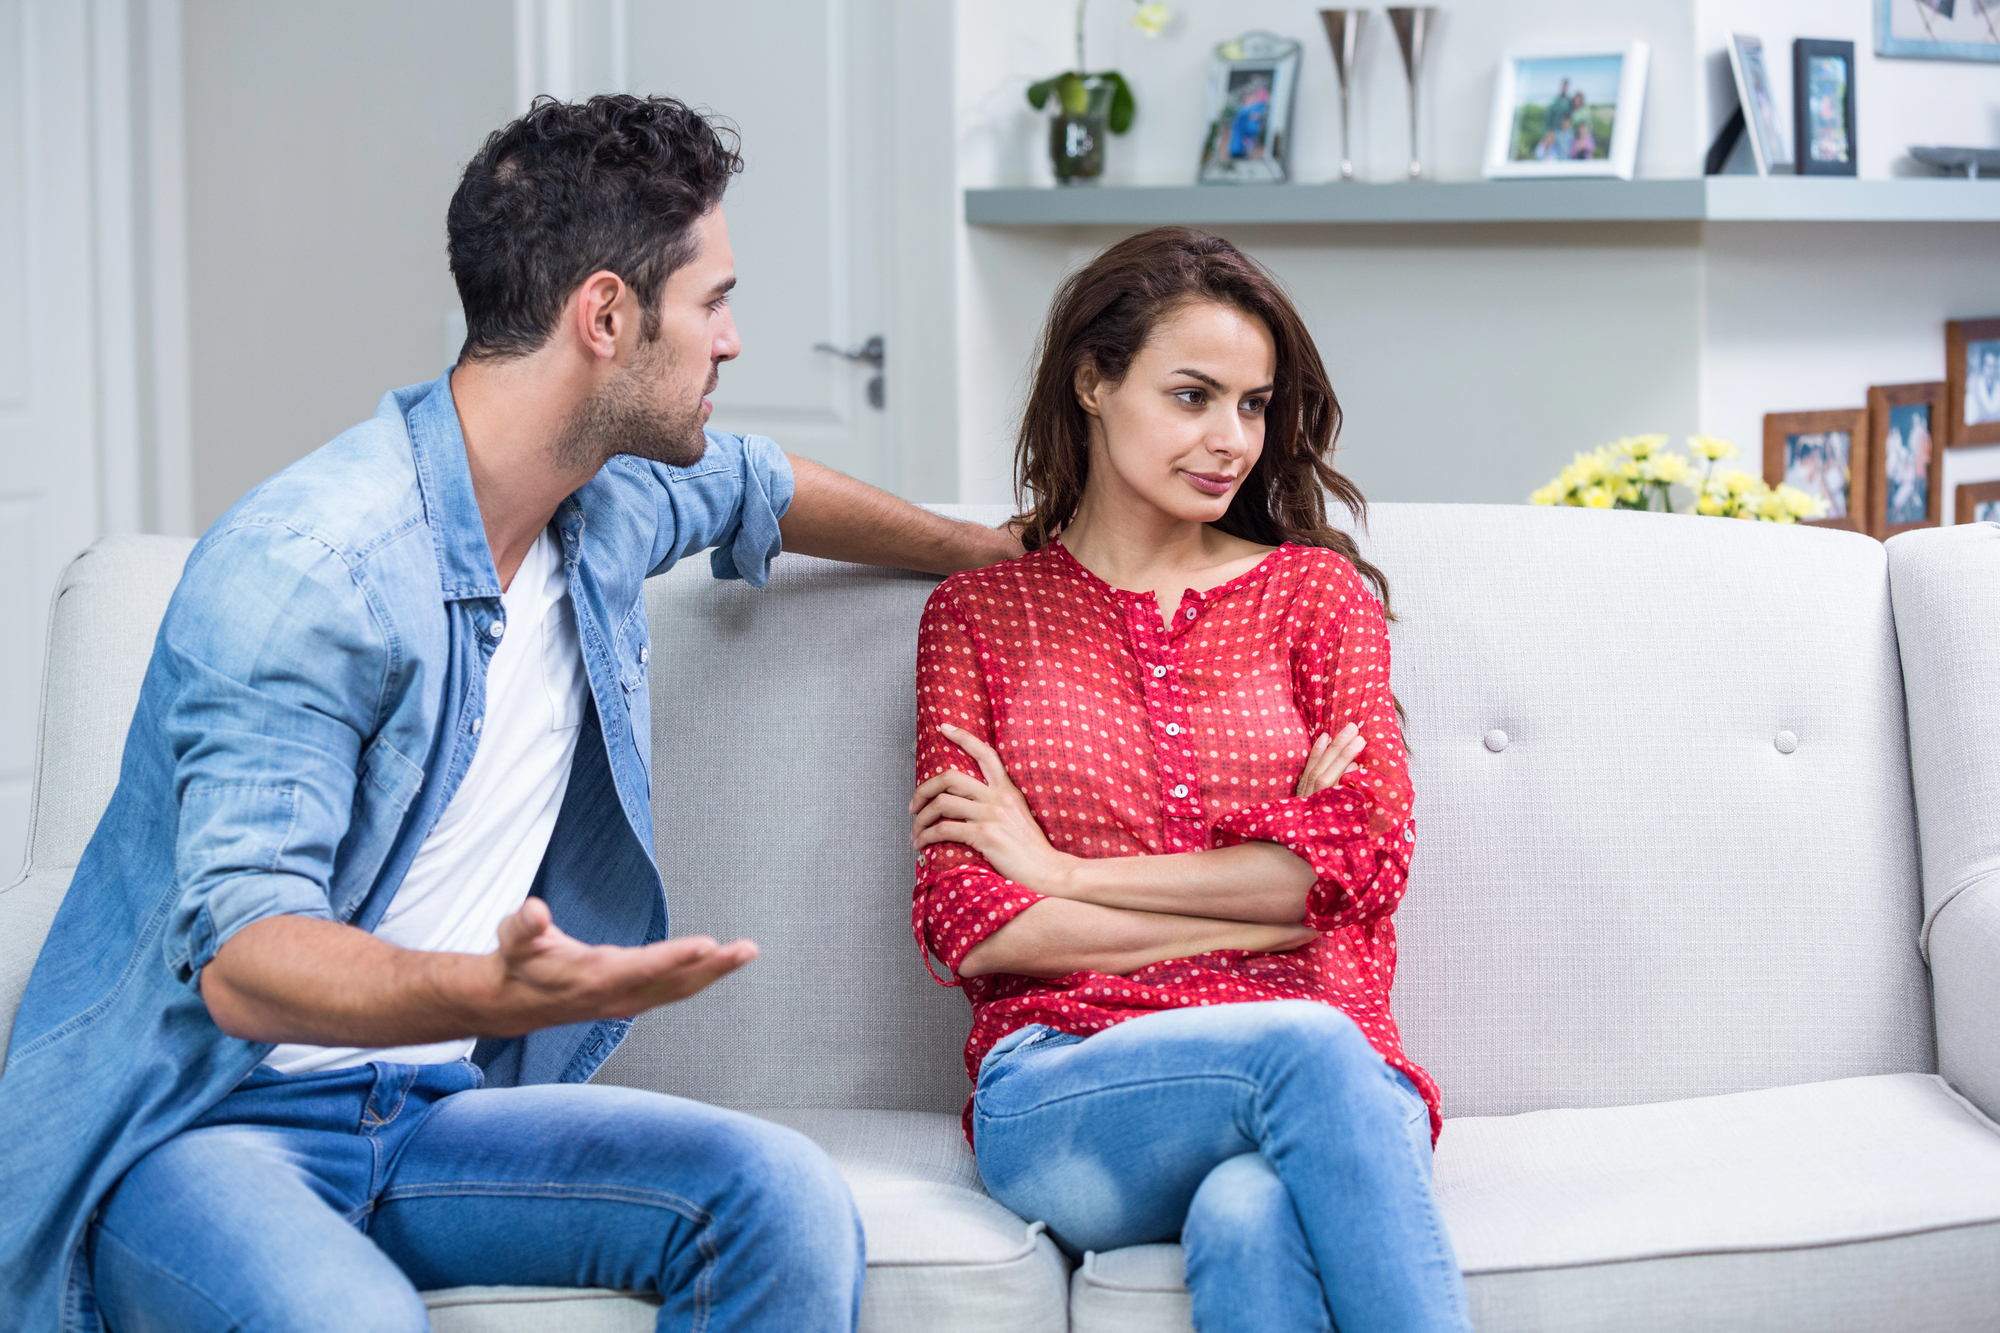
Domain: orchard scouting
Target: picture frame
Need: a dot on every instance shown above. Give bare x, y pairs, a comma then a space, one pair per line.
1937, 30
1604, 91
1972, 382
1759, 106
1976, 502
1824, 454
1905, 457
1823, 142
1251, 83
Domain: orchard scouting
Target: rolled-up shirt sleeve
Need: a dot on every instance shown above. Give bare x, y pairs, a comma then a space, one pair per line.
1356, 835
277, 666
731, 501
959, 899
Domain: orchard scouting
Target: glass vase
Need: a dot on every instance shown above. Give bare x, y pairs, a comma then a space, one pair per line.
1078, 126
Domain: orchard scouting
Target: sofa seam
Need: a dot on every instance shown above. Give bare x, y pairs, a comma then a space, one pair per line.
1802, 1246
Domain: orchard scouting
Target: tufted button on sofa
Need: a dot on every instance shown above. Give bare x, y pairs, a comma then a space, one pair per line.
1702, 937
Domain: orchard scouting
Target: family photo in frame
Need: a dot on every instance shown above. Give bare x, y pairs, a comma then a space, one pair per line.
1251, 83
1824, 454
1567, 111
1905, 459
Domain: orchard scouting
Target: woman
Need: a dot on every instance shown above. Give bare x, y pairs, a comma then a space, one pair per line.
1163, 818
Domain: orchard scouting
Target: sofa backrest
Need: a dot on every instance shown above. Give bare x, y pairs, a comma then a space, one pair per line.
1638, 897
1641, 895
108, 606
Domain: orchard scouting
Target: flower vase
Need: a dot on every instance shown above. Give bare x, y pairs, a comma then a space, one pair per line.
1078, 127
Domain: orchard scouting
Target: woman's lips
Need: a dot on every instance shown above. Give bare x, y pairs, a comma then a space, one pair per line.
1211, 483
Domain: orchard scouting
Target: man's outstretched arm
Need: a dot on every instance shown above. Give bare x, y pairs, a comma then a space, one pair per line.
839, 518
305, 979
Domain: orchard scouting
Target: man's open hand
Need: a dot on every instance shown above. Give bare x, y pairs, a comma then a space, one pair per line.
546, 978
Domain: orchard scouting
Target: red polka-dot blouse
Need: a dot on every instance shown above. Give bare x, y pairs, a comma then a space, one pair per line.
1131, 739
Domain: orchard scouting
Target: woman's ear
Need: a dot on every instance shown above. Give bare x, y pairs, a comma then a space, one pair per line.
1089, 384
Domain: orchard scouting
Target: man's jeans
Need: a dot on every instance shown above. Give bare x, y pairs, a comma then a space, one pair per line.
1269, 1138
326, 1201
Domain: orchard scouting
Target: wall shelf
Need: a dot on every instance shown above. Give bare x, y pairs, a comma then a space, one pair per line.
1710, 199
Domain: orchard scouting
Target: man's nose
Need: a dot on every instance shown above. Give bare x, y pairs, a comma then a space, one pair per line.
727, 344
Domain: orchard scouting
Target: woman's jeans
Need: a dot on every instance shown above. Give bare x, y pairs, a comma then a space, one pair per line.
327, 1201
1291, 1162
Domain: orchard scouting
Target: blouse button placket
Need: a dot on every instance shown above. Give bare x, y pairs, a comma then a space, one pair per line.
1168, 714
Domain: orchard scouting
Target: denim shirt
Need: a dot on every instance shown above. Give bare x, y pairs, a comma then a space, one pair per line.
313, 699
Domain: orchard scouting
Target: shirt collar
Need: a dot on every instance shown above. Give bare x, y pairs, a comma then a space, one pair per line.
465, 561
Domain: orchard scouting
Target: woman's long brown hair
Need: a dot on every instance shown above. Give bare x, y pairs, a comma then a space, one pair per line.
1102, 316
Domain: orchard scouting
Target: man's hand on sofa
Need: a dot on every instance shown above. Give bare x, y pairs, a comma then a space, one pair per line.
834, 516
303, 979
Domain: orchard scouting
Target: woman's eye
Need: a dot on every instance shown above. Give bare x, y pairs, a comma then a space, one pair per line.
1192, 397
1254, 406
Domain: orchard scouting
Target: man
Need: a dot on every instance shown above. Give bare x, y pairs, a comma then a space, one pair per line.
387, 793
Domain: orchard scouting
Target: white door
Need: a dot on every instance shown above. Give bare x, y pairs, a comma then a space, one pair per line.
48, 408
808, 83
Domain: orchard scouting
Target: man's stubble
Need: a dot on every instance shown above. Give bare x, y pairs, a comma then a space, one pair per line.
622, 418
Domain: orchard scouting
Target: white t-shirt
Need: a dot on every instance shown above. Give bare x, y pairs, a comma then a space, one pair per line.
480, 858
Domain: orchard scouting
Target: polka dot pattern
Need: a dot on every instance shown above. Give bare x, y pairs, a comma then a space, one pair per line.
1133, 737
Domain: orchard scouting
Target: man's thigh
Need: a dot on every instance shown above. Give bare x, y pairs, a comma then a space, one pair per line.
728, 1218
240, 1228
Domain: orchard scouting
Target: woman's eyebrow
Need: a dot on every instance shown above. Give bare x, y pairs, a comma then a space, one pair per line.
1217, 384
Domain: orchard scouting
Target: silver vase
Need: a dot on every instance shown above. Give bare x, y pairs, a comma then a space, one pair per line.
1343, 31
1413, 25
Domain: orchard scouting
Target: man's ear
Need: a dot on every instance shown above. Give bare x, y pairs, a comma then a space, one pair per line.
600, 312
1090, 386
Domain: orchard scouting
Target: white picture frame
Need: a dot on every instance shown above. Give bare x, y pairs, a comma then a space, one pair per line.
1250, 144
1520, 143
1761, 118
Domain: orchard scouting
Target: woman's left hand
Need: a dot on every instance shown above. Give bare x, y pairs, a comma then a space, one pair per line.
991, 817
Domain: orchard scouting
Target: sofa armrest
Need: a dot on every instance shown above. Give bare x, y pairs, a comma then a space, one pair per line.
27, 910
1965, 989
1945, 586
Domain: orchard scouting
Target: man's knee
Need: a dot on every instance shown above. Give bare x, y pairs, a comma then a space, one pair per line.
794, 1209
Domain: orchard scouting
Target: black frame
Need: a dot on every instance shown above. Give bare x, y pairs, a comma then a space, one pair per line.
1803, 49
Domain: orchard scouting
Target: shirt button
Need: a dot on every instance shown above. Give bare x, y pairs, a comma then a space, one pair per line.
1159, 671
1180, 791
644, 653
1190, 613
1173, 728
477, 723
498, 628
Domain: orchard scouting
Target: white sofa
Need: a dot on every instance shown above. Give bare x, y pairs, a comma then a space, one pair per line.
1702, 939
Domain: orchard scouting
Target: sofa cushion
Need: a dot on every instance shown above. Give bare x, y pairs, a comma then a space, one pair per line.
1865, 1203
1946, 583
941, 1254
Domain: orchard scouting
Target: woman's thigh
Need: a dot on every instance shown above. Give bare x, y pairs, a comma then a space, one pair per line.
1107, 1138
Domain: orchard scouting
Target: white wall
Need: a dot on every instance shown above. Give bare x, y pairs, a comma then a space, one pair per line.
1474, 360
323, 143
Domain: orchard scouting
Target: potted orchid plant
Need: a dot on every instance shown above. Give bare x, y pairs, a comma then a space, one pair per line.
1085, 107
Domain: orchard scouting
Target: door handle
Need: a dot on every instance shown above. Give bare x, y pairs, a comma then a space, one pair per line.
871, 353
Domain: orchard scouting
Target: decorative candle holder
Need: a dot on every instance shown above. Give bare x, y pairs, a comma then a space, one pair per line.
1413, 24
1343, 30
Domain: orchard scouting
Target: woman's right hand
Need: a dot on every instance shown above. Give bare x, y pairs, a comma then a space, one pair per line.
1329, 757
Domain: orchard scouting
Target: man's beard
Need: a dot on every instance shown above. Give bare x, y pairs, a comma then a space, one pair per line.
620, 418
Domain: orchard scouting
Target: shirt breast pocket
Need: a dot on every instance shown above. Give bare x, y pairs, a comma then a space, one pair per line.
634, 653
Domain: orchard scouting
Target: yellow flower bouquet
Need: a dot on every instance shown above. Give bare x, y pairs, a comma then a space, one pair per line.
1638, 473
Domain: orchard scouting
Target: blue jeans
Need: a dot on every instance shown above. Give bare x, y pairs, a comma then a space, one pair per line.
1290, 1161
327, 1201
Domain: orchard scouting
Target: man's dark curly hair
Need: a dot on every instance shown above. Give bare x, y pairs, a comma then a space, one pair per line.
614, 183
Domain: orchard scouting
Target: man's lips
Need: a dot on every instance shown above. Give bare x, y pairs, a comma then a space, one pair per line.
1211, 483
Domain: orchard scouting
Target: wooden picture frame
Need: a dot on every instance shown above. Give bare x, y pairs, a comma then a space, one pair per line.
1892, 473
1823, 142
1969, 495
1963, 338
1783, 466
